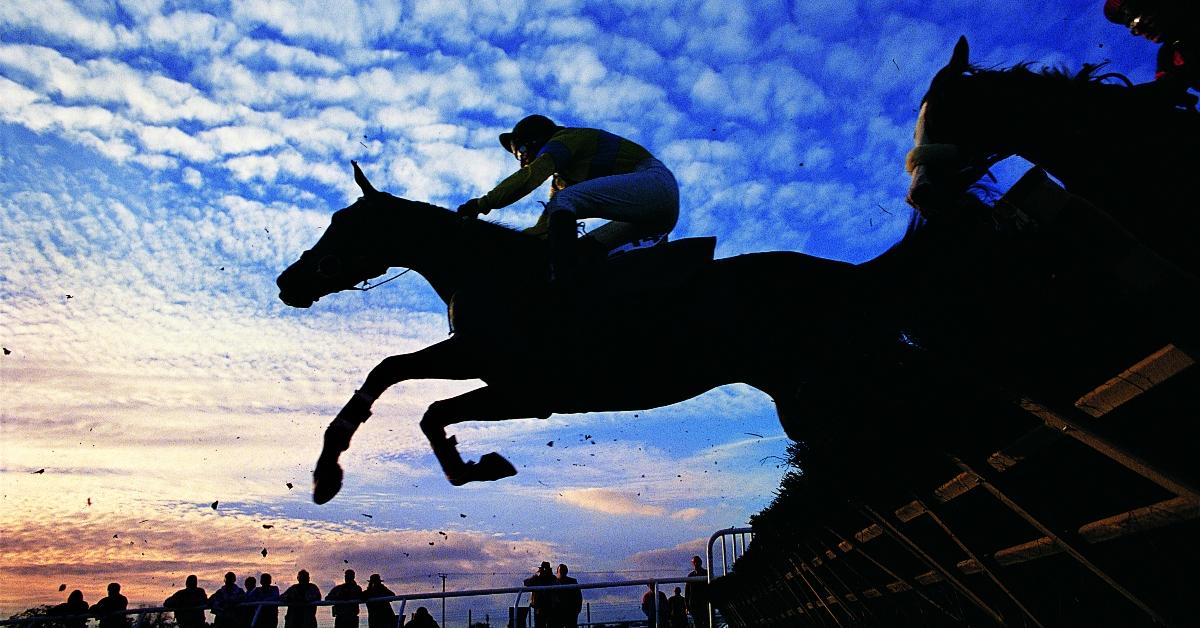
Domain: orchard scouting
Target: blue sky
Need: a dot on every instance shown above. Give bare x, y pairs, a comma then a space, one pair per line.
161, 162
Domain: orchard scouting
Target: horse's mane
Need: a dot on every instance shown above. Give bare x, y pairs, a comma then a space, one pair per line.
1088, 75
487, 229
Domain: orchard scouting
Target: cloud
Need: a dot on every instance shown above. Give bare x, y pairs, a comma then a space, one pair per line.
610, 502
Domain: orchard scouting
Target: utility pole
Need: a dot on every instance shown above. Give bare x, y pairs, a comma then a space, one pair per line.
443, 577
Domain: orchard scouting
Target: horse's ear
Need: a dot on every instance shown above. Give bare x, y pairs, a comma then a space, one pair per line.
961, 59
361, 180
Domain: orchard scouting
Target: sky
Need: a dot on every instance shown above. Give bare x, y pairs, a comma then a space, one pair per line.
161, 162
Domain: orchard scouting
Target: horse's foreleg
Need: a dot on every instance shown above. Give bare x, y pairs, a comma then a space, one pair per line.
482, 404
444, 360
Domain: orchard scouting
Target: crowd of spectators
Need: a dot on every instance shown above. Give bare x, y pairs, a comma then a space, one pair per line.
255, 604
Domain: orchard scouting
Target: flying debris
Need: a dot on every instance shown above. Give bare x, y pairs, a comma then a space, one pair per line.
115, 536
367, 516
89, 501
753, 434
289, 485
268, 526
431, 542
550, 444
462, 515
214, 504
62, 587
38, 471
264, 552
6, 351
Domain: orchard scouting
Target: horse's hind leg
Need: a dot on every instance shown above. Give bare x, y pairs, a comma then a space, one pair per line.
444, 360
482, 404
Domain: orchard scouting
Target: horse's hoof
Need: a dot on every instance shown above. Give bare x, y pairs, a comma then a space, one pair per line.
493, 466
327, 480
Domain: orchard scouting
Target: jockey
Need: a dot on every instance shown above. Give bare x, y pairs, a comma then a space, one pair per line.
596, 175
1173, 23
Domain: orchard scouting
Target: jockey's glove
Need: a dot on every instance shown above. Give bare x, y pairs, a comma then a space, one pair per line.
470, 209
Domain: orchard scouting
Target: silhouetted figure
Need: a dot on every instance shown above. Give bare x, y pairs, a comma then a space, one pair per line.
346, 615
421, 619
299, 599
656, 617
696, 594
224, 602
264, 616
677, 610
379, 614
596, 175
188, 604
245, 614
1175, 24
115, 603
568, 603
542, 602
73, 606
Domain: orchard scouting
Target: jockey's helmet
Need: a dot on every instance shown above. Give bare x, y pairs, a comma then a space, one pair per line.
532, 130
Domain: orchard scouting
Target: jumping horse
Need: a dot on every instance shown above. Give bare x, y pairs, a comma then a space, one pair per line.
741, 319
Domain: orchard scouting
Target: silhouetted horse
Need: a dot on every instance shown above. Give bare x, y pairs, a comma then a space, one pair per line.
1126, 150
742, 319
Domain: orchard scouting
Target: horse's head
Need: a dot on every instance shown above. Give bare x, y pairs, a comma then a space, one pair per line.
942, 162
344, 256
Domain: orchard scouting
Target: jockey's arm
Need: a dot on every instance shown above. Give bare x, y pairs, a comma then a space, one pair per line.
518, 184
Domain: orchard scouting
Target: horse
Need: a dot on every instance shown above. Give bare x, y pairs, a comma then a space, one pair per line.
737, 320
1129, 150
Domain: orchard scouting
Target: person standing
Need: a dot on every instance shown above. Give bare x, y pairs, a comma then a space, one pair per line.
568, 602
264, 615
379, 614
224, 602
696, 594
75, 605
188, 604
109, 610
245, 614
541, 601
301, 613
677, 610
422, 619
346, 615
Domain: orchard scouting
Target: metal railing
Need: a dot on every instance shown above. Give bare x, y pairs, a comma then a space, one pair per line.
735, 535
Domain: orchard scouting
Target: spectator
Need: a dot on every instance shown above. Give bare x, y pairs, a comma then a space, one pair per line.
677, 606
264, 615
542, 602
299, 599
73, 606
656, 617
379, 614
109, 610
696, 594
422, 619
224, 602
188, 604
346, 615
568, 602
245, 614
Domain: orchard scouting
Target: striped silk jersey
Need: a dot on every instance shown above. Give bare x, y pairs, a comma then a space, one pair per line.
572, 155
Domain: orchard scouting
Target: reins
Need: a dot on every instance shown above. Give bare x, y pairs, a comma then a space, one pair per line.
370, 286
